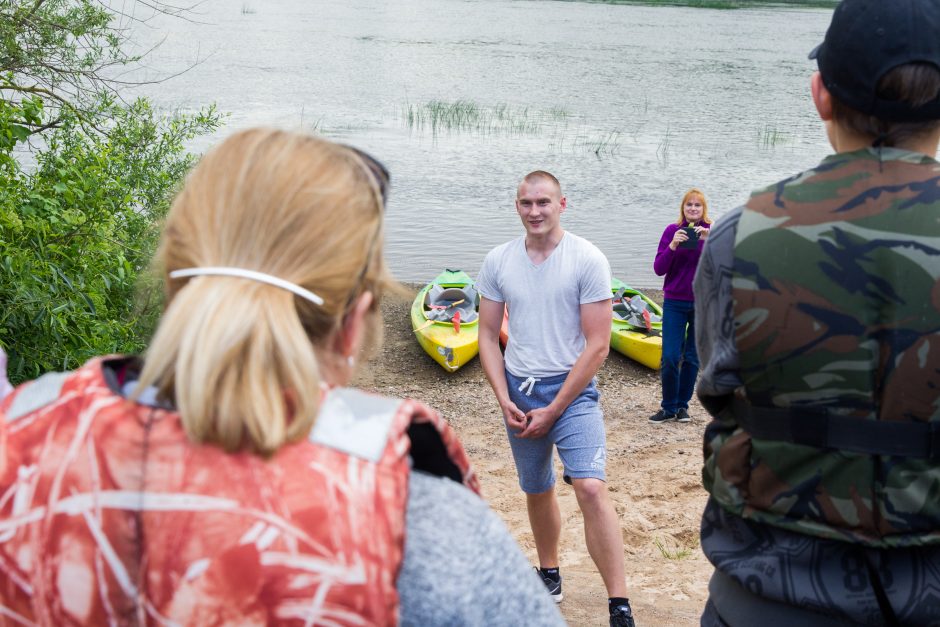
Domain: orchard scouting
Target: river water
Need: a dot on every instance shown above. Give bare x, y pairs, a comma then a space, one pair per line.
627, 105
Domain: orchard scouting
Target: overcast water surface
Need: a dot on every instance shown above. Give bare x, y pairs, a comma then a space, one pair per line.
628, 105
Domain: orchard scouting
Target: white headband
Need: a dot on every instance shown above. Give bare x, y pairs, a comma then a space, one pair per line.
249, 274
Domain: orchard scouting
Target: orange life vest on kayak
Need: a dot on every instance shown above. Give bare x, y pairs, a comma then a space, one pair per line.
109, 514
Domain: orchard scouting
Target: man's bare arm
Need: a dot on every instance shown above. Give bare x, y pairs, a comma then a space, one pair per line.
491, 319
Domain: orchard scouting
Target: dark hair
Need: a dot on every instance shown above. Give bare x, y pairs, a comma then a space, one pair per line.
914, 83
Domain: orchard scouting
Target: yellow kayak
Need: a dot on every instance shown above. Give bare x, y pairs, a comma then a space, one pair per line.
445, 316
636, 330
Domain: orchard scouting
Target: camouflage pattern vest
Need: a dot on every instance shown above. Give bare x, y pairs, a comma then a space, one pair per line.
836, 288
110, 515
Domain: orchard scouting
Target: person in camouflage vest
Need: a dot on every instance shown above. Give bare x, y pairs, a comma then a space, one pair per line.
819, 333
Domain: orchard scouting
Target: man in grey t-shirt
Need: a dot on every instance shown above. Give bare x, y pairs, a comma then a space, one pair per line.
556, 287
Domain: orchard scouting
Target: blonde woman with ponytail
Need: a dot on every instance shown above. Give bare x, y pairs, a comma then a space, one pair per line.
229, 475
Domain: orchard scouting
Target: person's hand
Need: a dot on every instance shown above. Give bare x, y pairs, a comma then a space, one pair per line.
678, 238
702, 232
540, 422
513, 416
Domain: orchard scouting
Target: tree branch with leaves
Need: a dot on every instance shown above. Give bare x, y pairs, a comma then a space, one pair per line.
85, 179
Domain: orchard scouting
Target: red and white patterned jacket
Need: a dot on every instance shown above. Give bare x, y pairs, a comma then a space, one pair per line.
109, 515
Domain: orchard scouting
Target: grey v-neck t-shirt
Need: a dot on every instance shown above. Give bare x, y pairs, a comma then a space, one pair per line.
544, 301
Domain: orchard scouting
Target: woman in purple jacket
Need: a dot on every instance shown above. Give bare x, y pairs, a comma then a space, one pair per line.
679, 250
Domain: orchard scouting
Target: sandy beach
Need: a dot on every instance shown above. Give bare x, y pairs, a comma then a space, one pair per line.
654, 474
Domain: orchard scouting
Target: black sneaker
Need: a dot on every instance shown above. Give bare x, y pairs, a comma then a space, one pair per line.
661, 416
622, 616
554, 587
683, 415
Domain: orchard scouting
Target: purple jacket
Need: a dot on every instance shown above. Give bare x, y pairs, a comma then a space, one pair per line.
678, 265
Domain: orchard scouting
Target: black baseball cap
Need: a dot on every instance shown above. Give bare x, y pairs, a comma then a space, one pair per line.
867, 39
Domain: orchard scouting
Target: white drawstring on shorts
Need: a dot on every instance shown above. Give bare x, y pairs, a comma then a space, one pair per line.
530, 382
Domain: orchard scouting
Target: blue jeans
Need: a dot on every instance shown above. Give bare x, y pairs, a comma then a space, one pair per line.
680, 359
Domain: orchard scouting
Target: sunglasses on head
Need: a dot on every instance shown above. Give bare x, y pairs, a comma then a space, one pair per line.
378, 171
382, 178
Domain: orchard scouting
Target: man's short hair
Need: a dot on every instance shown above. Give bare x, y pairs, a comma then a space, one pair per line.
535, 175
880, 61
913, 83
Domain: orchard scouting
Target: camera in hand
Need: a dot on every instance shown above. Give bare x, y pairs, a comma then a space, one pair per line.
692, 242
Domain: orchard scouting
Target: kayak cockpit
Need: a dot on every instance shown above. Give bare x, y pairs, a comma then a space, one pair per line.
442, 303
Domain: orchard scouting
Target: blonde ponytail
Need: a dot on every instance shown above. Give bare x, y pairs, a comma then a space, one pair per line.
241, 359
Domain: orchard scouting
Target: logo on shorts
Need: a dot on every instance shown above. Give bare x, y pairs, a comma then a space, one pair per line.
600, 459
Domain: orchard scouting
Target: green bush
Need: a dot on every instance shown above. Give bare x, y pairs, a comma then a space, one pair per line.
85, 180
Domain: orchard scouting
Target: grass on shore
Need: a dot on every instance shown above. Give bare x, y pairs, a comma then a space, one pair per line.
677, 553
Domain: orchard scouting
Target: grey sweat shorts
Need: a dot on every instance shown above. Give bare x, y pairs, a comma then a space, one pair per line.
578, 435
